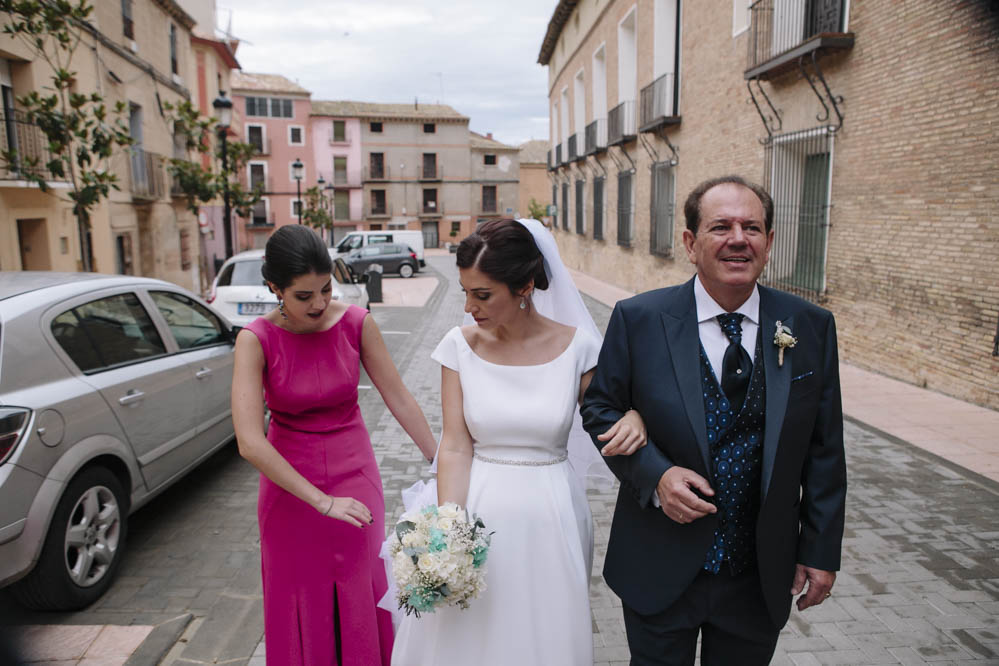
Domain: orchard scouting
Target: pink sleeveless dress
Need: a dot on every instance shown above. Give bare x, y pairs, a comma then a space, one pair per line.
322, 578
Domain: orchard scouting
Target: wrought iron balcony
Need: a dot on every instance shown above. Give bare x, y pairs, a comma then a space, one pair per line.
261, 146
596, 136
487, 207
571, 157
431, 171
659, 103
551, 165
265, 221
621, 124
431, 209
781, 31
148, 182
343, 179
558, 155
378, 210
264, 183
30, 147
376, 173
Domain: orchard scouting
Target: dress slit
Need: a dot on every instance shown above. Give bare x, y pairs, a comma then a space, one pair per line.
337, 636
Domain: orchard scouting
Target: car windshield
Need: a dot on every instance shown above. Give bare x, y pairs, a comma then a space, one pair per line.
247, 273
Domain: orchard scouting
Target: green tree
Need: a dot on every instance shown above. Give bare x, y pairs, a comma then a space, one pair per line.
315, 213
202, 184
537, 210
80, 133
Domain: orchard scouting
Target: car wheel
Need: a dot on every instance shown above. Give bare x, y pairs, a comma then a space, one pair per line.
83, 548
406, 270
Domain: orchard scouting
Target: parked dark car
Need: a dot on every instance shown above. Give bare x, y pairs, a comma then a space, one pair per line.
393, 258
111, 389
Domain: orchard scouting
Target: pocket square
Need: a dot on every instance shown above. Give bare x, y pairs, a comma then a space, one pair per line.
802, 376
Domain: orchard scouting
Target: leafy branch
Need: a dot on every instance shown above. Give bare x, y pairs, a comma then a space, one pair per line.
201, 184
79, 132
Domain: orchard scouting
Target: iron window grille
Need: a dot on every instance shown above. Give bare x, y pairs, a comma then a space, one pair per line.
625, 208
663, 209
565, 206
799, 178
555, 203
598, 207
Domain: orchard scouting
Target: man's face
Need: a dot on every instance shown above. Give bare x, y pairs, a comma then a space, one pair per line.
731, 245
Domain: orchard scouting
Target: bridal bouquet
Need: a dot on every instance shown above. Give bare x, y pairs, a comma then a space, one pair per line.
438, 558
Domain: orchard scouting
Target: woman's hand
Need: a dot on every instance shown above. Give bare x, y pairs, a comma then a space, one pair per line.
347, 509
624, 437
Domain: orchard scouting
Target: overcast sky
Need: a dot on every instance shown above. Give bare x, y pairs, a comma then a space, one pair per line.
478, 56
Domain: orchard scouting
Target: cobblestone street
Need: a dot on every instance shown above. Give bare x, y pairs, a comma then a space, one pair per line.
920, 579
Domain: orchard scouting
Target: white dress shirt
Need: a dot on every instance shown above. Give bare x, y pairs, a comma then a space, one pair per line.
712, 336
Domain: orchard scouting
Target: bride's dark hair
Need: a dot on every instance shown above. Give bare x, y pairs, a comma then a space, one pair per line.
506, 252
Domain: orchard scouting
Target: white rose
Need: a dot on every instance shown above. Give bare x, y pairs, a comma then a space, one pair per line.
402, 566
450, 510
410, 539
445, 523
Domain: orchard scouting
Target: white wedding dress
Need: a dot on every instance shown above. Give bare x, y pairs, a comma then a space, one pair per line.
536, 609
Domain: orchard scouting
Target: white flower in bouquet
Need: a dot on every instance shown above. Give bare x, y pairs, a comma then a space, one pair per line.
438, 558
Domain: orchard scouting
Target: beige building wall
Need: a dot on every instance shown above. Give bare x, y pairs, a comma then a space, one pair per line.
913, 234
158, 230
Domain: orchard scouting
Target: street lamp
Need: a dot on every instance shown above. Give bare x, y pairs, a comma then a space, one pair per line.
223, 108
296, 172
331, 198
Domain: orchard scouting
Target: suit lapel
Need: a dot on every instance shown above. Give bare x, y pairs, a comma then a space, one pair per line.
680, 323
778, 380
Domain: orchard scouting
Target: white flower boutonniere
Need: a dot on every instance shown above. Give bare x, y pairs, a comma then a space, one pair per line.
784, 340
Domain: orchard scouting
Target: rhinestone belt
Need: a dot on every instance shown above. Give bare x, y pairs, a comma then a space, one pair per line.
524, 463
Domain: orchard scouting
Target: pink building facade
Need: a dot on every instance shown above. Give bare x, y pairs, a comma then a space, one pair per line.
276, 114
336, 153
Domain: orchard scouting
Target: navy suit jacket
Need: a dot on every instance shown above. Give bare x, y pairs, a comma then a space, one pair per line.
650, 362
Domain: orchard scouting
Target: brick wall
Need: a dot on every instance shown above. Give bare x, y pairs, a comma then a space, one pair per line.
914, 237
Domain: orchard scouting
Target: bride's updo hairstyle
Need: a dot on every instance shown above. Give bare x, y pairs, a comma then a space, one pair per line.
292, 251
506, 252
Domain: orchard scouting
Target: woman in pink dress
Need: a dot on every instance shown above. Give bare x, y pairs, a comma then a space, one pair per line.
321, 510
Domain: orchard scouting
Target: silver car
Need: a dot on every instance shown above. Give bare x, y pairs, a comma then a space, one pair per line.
111, 389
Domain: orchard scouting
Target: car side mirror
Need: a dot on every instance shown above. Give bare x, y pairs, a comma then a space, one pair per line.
233, 332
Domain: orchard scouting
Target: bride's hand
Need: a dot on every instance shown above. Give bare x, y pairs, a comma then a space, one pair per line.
349, 510
624, 437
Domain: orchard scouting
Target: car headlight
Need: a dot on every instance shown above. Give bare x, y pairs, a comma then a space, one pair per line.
13, 426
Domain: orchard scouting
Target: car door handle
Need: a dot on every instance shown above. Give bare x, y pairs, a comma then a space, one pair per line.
202, 373
130, 397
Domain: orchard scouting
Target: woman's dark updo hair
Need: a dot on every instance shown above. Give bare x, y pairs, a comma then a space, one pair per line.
293, 251
506, 252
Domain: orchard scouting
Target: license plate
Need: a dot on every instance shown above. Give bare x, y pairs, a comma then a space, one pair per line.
255, 308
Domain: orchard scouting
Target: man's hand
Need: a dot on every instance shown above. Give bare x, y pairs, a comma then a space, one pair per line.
677, 499
819, 585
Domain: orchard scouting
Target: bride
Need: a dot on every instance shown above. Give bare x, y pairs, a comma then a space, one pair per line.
510, 386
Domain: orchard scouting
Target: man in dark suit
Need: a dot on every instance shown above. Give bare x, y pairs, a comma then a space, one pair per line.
736, 502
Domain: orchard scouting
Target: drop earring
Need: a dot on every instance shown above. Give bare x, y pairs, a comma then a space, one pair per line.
281, 309
523, 303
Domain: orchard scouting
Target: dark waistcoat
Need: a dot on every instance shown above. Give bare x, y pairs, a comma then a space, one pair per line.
735, 441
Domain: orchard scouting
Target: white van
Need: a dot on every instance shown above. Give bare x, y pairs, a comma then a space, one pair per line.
358, 239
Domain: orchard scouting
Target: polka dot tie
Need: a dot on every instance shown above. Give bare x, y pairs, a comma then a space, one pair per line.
736, 364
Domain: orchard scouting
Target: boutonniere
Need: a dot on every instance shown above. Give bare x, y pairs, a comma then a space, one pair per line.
784, 340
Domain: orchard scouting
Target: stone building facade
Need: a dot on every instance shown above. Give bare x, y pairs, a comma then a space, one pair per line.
873, 128
138, 53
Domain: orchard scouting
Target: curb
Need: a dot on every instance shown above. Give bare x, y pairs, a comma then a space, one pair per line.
982, 480
159, 641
